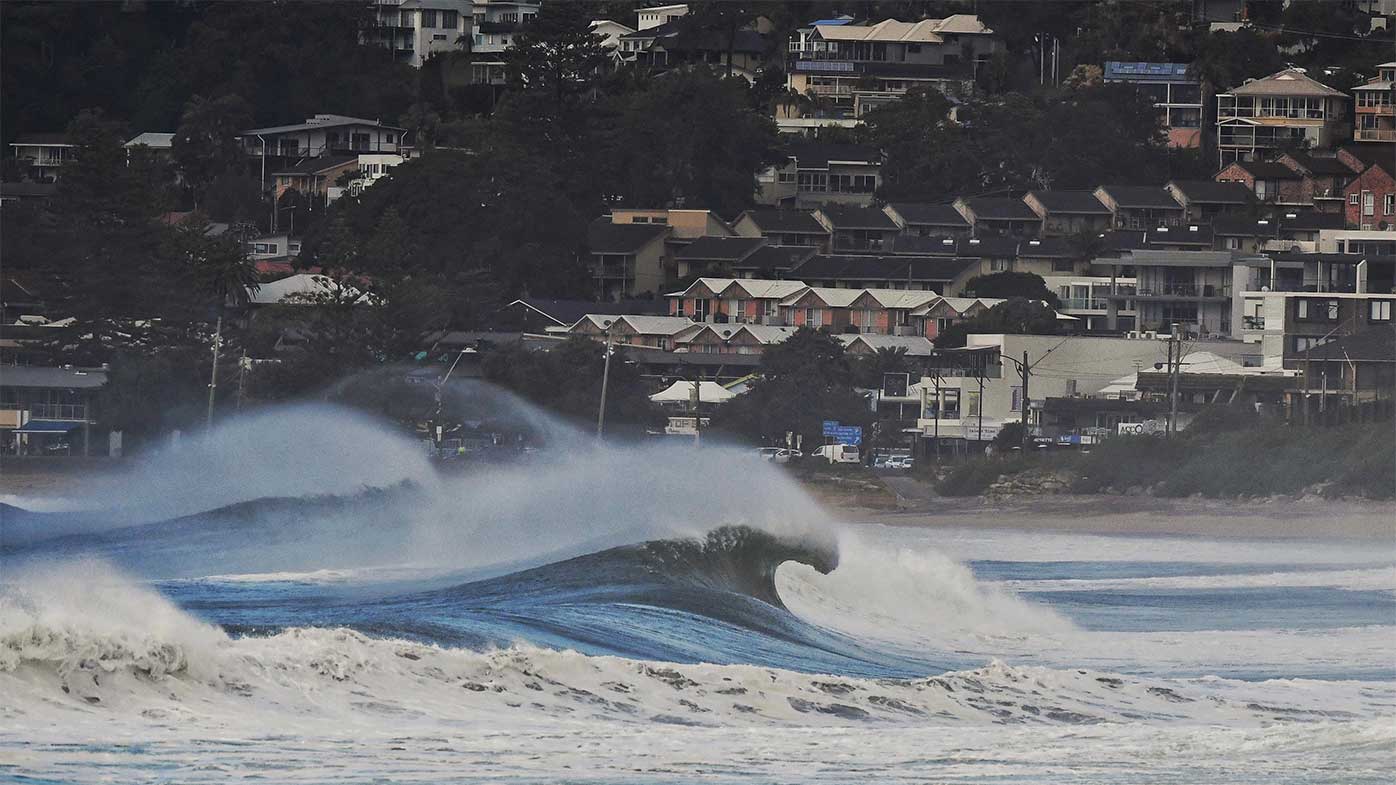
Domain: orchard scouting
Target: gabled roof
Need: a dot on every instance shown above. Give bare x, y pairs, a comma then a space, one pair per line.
845, 216
1373, 345
818, 155
729, 249
926, 31
833, 267
51, 138
33, 376
834, 298
1309, 220
922, 214
567, 312
777, 257
768, 333
774, 219
986, 247
924, 246
642, 324
1071, 202
152, 139
1287, 82
1371, 155
1268, 170
900, 298
1049, 248
1322, 165
999, 208
762, 288
1141, 197
317, 165
915, 345
713, 285
606, 237
318, 122
1213, 192
1236, 226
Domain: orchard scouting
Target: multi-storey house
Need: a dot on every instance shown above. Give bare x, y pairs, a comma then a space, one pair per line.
928, 220
1283, 110
1139, 207
816, 173
1176, 95
417, 29
41, 156
847, 69
1375, 107
1068, 213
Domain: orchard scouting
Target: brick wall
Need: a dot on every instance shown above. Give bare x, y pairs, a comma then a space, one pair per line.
1380, 184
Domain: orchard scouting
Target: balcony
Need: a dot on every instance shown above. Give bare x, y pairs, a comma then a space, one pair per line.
1375, 135
58, 411
1187, 290
1084, 304
1253, 322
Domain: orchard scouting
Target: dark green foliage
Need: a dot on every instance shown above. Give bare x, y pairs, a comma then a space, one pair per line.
803, 381
1009, 437
1017, 316
1008, 284
973, 477
206, 146
567, 380
1225, 60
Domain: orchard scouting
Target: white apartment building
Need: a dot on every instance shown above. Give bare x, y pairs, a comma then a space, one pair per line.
660, 15
496, 22
417, 29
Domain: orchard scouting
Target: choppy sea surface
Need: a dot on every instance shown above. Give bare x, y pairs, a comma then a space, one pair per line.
284, 602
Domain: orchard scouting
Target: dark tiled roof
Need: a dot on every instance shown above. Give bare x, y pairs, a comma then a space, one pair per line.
313, 165
981, 247
925, 246
829, 267
1375, 344
727, 249
1371, 154
49, 137
1141, 196
1268, 170
778, 257
918, 213
1322, 165
1235, 226
1000, 208
1049, 248
28, 190
785, 221
1212, 192
606, 237
845, 216
1310, 220
567, 312
748, 41
817, 155
1071, 202
1190, 235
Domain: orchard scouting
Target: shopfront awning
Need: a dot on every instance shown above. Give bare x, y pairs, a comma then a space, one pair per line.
48, 426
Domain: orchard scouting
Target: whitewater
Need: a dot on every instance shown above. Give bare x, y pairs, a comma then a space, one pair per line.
301, 597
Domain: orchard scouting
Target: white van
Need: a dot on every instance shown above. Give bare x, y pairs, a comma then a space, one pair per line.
838, 453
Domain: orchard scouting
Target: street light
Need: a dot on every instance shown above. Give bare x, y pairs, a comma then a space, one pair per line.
605, 380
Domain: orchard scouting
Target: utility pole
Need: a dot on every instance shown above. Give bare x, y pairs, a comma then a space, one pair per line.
1176, 354
605, 379
213, 378
242, 378
1025, 369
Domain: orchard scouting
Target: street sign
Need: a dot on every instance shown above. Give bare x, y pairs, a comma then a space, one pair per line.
829, 426
843, 434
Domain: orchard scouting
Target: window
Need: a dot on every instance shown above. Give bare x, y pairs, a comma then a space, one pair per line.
1062, 265
1369, 203
1389, 204
1381, 310
1303, 344
1352, 198
999, 265
449, 19
814, 317
1017, 399
640, 219
428, 18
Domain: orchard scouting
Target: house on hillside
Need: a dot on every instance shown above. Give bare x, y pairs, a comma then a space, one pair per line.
714, 256
857, 229
1370, 197
626, 259
1203, 200
654, 332
324, 134
1068, 213
40, 156
816, 173
847, 68
1271, 182
783, 227
998, 216
1140, 207
928, 220
914, 273
1375, 110
414, 30
1286, 109
1324, 179
734, 300
49, 411
1176, 95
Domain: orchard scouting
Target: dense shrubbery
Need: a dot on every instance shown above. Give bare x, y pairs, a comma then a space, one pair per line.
1229, 458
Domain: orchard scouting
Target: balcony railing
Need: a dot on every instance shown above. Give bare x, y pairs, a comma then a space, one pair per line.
1375, 135
58, 411
1084, 304
1184, 290
1253, 322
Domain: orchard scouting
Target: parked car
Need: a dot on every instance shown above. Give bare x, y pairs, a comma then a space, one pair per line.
900, 462
776, 454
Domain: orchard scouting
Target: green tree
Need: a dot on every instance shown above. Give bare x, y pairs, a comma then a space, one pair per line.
806, 379
924, 149
1006, 285
566, 379
205, 145
1017, 316
557, 53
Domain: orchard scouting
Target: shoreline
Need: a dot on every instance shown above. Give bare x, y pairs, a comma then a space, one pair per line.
1266, 519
